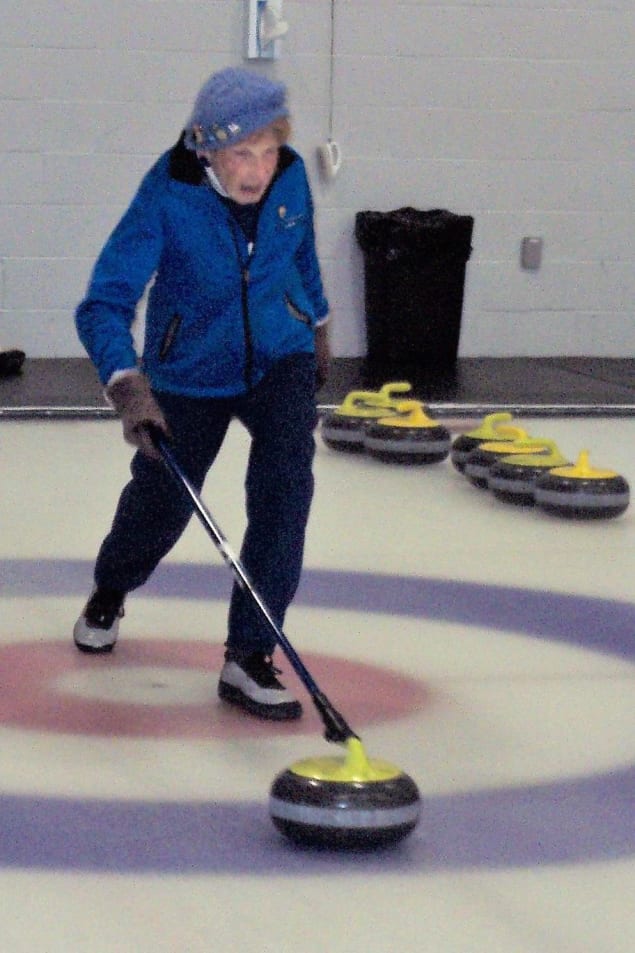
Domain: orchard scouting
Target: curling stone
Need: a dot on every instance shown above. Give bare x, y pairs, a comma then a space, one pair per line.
491, 427
480, 460
580, 491
343, 428
409, 436
513, 479
350, 803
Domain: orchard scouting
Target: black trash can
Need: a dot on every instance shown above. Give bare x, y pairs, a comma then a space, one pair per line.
414, 276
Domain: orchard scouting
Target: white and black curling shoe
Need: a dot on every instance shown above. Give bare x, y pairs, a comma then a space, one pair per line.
97, 628
250, 682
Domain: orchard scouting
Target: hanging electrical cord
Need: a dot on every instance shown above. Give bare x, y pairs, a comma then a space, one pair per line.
329, 154
331, 69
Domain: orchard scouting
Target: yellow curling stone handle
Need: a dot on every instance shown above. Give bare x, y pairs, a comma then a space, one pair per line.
355, 767
371, 403
541, 453
517, 437
411, 413
582, 470
390, 390
491, 426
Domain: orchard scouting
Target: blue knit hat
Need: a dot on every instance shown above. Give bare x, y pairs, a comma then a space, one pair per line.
232, 105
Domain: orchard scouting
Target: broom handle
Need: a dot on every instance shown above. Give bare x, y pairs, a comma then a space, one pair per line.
336, 727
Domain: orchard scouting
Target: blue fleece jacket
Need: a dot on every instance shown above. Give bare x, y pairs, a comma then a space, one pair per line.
217, 317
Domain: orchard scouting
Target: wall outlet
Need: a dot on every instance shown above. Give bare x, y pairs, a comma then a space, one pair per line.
531, 253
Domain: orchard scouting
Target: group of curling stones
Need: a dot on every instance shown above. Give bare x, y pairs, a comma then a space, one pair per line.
531, 471
386, 426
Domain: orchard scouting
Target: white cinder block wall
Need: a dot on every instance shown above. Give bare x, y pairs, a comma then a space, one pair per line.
518, 112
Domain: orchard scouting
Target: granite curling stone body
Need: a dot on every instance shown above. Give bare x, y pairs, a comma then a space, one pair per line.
581, 491
344, 803
513, 479
410, 436
481, 460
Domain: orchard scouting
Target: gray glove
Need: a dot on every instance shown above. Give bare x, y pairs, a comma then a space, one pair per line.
134, 403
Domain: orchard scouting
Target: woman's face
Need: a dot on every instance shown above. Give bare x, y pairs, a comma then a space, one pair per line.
245, 170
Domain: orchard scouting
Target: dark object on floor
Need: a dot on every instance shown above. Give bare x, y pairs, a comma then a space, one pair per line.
11, 362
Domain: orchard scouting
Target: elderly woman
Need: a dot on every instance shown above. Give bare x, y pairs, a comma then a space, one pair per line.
222, 225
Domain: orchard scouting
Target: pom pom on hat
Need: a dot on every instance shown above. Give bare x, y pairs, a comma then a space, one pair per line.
231, 106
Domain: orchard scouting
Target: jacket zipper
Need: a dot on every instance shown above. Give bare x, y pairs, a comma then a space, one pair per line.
249, 346
244, 298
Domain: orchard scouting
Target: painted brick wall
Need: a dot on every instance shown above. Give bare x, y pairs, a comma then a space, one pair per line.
518, 112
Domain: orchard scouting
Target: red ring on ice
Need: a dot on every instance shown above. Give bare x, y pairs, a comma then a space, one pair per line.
32, 698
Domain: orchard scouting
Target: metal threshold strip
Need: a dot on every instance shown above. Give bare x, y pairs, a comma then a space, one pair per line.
439, 409
532, 410
35, 412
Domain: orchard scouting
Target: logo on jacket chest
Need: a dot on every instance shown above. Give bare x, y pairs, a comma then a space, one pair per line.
287, 220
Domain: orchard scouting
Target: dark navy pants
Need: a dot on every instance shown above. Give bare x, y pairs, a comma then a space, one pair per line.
153, 511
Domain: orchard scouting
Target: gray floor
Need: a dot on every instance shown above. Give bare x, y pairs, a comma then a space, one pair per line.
574, 385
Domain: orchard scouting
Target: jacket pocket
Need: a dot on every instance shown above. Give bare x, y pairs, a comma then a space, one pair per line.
296, 312
169, 337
